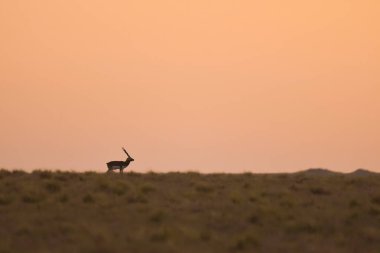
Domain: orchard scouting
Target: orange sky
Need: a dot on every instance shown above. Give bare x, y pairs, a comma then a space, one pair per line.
261, 86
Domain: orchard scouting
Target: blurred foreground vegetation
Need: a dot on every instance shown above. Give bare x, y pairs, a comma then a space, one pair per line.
189, 212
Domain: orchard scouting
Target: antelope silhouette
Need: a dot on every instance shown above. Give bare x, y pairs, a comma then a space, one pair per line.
120, 165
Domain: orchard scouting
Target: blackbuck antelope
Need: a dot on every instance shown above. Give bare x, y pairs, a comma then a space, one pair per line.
120, 165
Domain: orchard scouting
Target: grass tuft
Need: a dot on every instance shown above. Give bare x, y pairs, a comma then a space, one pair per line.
52, 187
376, 200
157, 217
145, 189
88, 198
63, 198
32, 198
5, 200
245, 242
319, 191
203, 188
159, 236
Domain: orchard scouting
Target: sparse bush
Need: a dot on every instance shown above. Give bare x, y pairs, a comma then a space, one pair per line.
62, 177
88, 198
247, 174
18, 173
246, 241
103, 186
63, 198
254, 219
202, 188
136, 199
4, 173
236, 199
370, 234
283, 176
159, 236
351, 218
353, 203
23, 230
374, 211
307, 203
376, 200
133, 174
42, 174
319, 191
194, 174
119, 188
147, 189
32, 198
205, 236
300, 179
246, 185
294, 188
301, 227
286, 203
52, 187
5, 200
157, 217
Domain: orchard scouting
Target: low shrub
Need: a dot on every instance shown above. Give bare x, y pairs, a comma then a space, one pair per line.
205, 236
52, 187
88, 198
157, 217
42, 174
202, 188
136, 199
319, 191
5, 200
147, 189
376, 200
63, 198
247, 241
32, 198
159, 236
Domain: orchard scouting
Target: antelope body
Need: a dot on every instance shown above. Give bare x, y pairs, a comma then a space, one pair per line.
120, 165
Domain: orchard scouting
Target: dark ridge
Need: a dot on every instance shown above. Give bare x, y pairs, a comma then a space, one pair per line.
318, 172
362, 172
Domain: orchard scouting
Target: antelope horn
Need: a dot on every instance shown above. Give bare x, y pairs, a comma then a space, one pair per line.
126, 152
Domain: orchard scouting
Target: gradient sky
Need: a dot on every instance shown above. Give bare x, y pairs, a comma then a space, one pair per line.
228, 86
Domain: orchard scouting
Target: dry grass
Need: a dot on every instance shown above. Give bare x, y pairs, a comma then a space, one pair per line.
188, 212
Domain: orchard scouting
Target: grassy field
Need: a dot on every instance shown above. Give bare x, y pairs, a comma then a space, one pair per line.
312, 211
